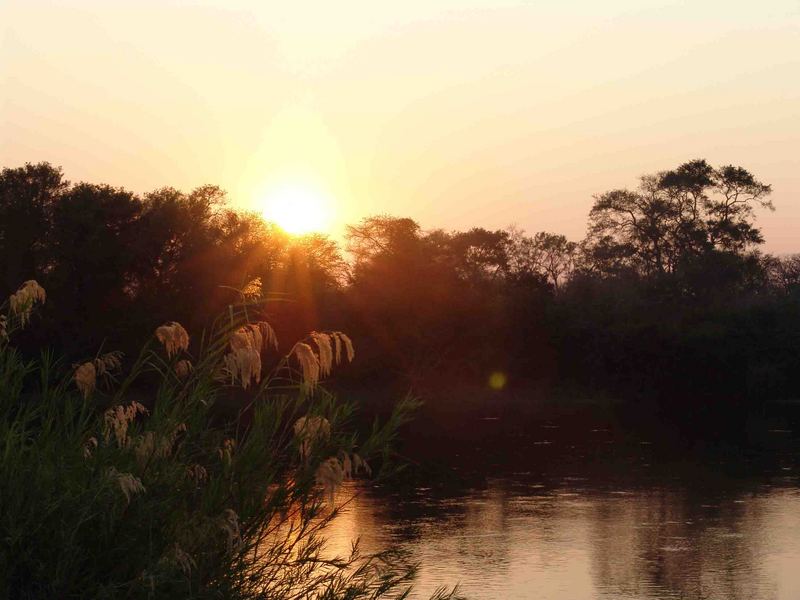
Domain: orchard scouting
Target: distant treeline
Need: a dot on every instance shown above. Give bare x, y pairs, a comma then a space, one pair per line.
668, 293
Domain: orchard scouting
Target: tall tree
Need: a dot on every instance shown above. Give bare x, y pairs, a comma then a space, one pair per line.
673, 217
27, 196
547, 256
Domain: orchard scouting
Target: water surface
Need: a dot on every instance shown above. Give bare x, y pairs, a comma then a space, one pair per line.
573, 509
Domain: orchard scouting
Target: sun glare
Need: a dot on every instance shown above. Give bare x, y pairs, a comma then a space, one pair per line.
297, 208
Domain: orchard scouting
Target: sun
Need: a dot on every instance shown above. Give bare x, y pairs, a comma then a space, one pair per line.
297, 208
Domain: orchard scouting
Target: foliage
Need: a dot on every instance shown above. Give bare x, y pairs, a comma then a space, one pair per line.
674, 217
169, 481
622, 308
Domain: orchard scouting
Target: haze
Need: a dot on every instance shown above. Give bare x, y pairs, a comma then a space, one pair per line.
456, 114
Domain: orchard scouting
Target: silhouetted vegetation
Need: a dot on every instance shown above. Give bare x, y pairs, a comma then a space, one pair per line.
667, 297
183, 495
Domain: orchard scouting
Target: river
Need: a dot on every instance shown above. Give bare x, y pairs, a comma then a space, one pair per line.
581, 508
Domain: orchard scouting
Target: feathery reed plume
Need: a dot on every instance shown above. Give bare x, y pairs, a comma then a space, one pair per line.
309, 363
268, 333
117, 419
86, 378
333, 471
110, 361
115, 449
353, 465
342, 338
347, 465
129, 484
174, 338
3, 328
182, 368
89, 446
147, 445
168, 442
183, 560
359, 464
323, 342
243, 362
330, 476
86, 374
256, 339
337, 346
197, 473
329, 346
246, 337
252, 291
226, 451
309, 431
229, 522
22, 301
254, 335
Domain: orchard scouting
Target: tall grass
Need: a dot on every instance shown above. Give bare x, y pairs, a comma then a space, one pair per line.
169, 480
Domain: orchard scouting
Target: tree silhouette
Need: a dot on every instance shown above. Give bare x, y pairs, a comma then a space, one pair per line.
668, 288
674, 217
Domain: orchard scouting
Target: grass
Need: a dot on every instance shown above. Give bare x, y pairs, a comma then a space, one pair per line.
169, 481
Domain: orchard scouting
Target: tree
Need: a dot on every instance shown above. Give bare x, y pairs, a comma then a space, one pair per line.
382, 235
479, 255
89, 258
674, 217
548, 256
119, 261
784, 272
27, 196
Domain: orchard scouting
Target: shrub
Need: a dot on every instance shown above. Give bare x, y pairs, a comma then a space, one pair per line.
170, 480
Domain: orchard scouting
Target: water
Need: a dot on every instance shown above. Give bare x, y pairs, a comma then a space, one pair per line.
575, 509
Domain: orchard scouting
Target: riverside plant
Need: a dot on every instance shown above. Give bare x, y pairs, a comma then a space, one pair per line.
190, 475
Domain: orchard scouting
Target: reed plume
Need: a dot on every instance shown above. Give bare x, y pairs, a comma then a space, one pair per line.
268, 333
199, 511
252, 291
89, 447
174, 338
86, 378
23, 300
310, 431
342, 338
197, 473
226, 451
150, 445
333, 471
329, 476
229, 522
323, 341
183, 560
359, 464
86, 374
129, 484
243, 362
309, 363
183, 368
117, 419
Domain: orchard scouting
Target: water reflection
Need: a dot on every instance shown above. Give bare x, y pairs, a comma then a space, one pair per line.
605, 526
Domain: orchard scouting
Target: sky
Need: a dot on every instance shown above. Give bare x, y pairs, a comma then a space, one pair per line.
457, 114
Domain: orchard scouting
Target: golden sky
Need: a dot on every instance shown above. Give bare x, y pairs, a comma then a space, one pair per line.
454, 113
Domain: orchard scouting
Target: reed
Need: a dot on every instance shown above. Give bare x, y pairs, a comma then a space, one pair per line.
140, 482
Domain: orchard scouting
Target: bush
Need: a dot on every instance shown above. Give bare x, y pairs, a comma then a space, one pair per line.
171, 481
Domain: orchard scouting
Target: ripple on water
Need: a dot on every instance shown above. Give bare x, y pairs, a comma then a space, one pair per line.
597, 528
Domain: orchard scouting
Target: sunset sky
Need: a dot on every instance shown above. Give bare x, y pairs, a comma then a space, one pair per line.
457, 114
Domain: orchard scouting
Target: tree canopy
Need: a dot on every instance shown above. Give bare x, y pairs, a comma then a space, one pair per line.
677, 255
